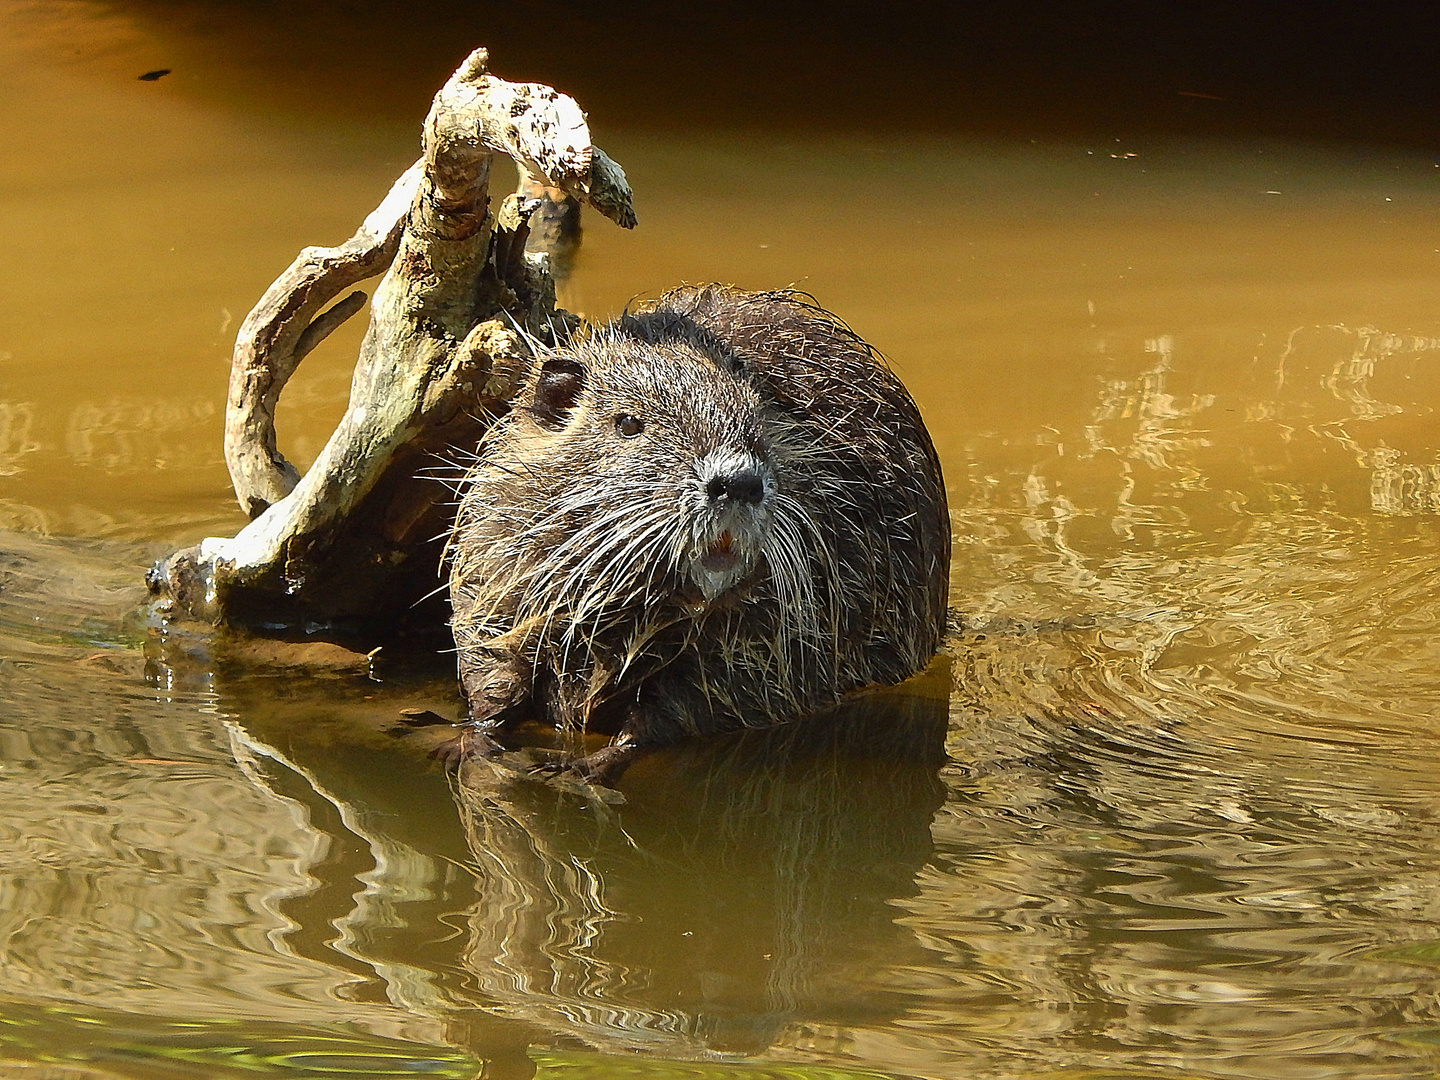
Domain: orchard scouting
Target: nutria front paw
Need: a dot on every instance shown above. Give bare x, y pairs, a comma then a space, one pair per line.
600, 769
467, 744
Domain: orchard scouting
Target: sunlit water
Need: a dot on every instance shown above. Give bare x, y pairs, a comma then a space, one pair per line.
1168, 807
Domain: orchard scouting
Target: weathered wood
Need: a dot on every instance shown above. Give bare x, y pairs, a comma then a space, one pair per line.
353, 541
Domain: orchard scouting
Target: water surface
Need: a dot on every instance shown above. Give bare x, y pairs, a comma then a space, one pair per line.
1167, 807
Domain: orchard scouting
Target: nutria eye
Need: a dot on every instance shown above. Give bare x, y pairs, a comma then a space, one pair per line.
629, 426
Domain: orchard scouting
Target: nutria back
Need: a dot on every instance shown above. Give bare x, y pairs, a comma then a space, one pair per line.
722, 511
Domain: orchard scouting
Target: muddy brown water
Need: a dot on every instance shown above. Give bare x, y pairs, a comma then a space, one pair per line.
1169, 807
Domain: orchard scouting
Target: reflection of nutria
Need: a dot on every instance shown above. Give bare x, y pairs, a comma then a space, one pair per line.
746, 898
721, 512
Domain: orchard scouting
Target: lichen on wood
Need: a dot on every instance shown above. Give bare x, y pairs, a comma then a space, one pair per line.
353, 543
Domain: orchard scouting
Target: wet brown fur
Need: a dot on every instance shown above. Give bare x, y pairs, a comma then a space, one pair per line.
572, 561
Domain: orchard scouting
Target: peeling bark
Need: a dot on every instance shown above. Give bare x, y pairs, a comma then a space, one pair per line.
353, 544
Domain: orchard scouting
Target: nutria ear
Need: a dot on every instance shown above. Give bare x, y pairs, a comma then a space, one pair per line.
560, 383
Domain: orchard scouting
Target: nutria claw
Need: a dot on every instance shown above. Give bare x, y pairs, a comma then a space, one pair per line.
600, 769
469, 742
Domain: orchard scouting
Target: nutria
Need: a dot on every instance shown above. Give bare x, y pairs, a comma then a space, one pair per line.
720, 512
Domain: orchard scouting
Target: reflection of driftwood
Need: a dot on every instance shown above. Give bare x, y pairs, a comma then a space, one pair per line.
351, 541
766, 859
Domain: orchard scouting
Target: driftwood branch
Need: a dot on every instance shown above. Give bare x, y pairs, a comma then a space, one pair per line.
353, 542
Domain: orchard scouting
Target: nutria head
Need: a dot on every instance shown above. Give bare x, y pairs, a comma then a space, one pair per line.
674, 440
638, 479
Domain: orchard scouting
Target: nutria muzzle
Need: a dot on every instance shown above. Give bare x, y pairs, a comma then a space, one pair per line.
730, 510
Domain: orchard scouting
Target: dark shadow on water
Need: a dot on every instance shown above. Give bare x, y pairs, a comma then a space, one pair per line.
1061, 68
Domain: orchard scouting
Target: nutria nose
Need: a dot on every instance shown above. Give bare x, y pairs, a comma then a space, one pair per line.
744, 486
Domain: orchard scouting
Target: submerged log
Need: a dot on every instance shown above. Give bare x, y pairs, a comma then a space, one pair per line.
354, 543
